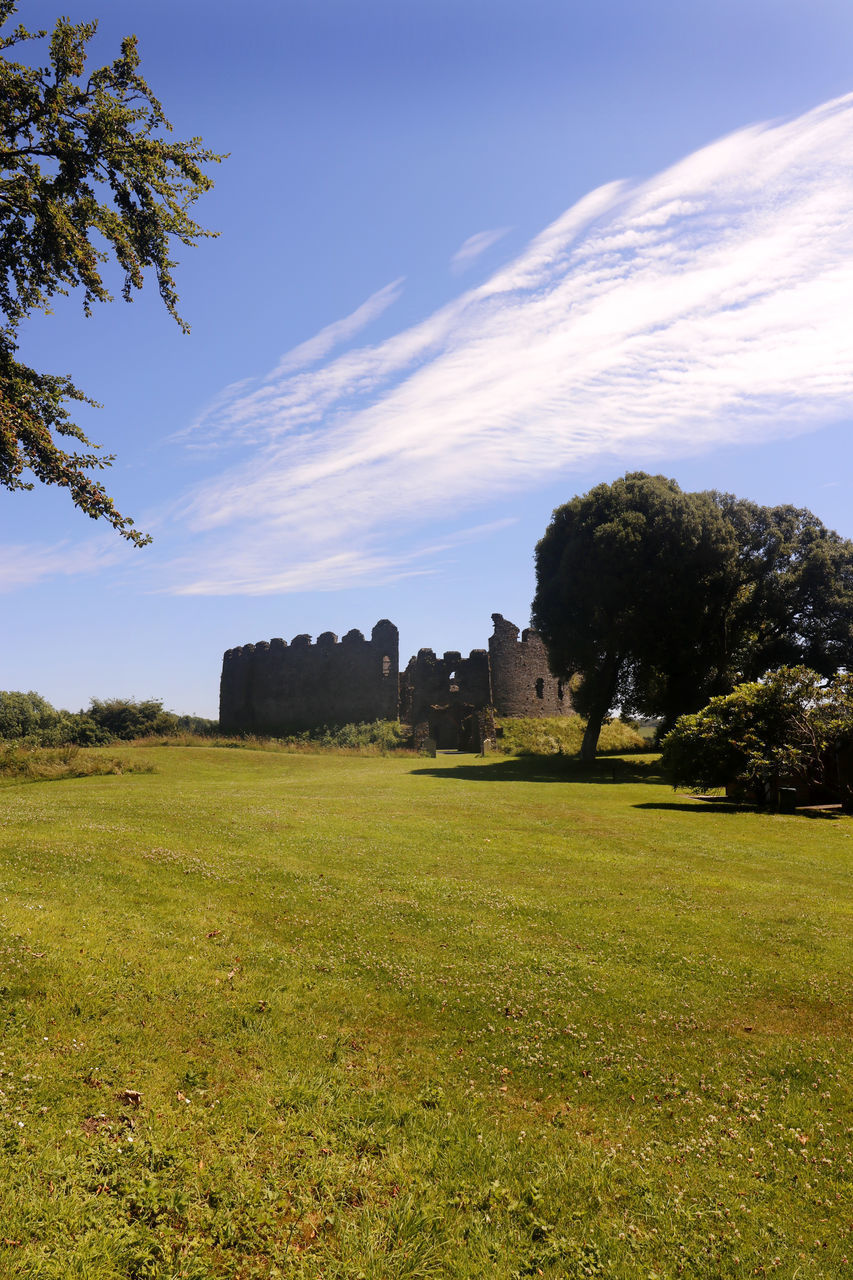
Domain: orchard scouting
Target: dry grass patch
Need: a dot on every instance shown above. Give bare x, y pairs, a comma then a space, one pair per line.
49, 764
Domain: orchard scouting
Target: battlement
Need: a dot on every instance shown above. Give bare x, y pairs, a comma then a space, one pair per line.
275, 688
272, 687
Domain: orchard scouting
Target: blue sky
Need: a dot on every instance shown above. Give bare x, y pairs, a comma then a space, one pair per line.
474, 257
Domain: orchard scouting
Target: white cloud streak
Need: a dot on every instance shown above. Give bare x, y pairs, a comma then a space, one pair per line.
470, 250
245, 572
334, 335
708, 305
25, 565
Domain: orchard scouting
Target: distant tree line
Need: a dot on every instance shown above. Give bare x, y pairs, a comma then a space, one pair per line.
30, 718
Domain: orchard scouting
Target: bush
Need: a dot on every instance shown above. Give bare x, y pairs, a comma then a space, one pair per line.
792, 727
29, 718
376, 737
197, 726
81, 730
125, 718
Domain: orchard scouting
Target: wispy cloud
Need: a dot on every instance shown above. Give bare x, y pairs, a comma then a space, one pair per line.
247, 571
340, 331
707, 305
25, 565
249, 408
471, 249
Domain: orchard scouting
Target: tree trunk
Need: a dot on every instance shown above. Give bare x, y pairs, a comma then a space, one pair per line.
591, 734
600, 706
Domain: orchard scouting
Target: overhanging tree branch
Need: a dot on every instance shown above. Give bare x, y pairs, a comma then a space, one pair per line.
87, 174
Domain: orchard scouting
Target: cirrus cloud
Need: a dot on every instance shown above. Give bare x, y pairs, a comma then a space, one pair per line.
707, 305
469, 251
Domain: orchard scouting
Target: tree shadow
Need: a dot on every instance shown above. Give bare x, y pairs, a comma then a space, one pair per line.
698, 805
604, 772
702, 805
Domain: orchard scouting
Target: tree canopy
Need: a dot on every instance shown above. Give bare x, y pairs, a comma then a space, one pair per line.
88, 174
661, 599
24, 715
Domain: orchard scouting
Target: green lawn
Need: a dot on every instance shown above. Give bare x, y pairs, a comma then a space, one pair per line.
320, 1016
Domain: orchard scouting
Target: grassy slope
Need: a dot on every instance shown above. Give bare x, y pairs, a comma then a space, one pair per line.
401, 1018
551, 735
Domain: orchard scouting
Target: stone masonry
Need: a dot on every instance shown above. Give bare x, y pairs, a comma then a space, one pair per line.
522, 684
275, 688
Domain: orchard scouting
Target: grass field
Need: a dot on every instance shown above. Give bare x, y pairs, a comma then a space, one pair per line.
317, 1016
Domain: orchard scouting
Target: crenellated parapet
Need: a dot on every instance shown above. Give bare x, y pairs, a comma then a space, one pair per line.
275, 688
272, 687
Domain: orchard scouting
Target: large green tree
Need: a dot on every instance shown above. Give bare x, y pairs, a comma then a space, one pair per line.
791, 593
624, 574
662, 599
88, 174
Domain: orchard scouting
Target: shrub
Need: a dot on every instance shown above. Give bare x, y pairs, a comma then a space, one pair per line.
377, 737
125, 718
197, 726
791, 726
30, 718
81, 730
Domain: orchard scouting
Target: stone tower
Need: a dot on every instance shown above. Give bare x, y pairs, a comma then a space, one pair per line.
522, 684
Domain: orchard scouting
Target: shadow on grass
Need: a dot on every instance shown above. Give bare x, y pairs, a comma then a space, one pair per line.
701, 805
698, 806
606, 771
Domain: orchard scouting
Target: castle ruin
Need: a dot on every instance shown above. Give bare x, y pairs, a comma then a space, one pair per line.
274, 688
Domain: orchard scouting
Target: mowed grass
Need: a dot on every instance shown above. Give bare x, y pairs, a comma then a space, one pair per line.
317, 1016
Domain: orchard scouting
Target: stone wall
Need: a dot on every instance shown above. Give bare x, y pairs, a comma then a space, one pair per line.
522, 684
275, 688
448, 699
429, 681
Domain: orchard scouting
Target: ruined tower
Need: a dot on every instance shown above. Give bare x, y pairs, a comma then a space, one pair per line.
522, 684
448, 699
